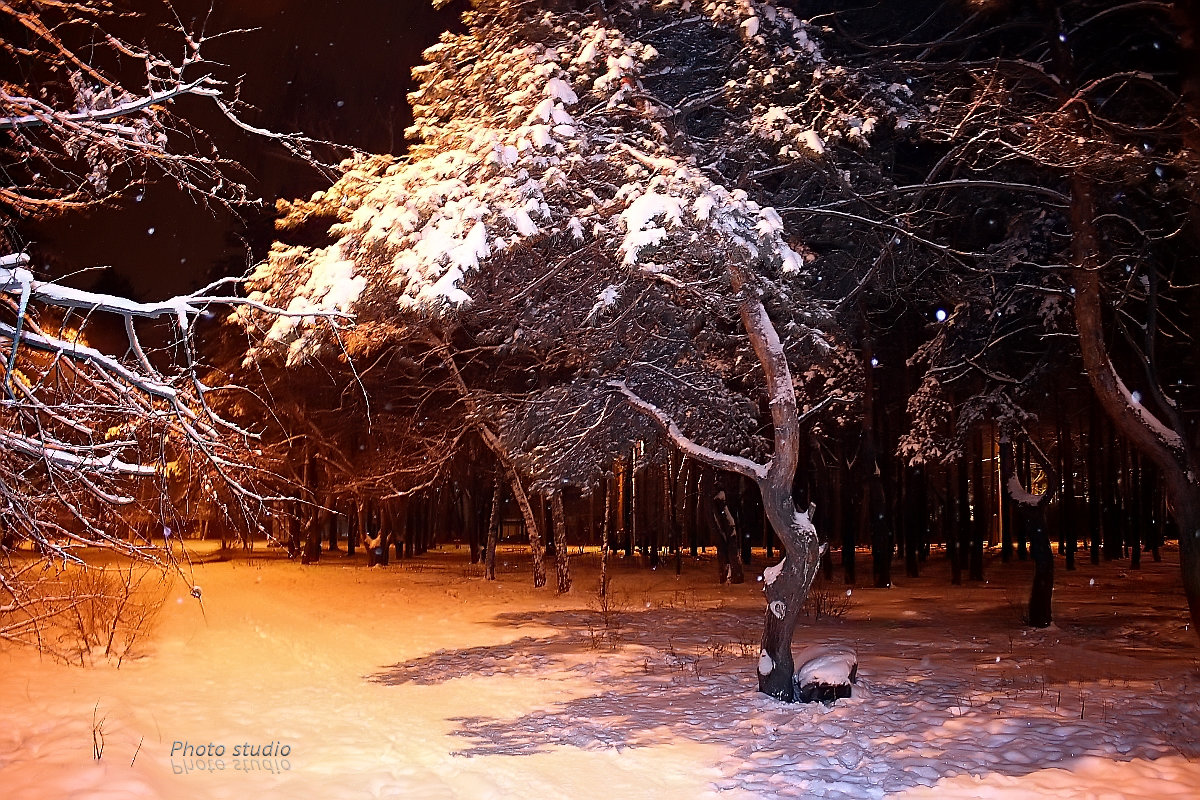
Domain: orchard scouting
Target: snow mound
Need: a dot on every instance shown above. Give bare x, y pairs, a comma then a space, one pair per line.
825, 674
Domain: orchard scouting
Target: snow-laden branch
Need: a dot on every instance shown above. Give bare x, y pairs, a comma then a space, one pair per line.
83, 353
85, 461
714, 458
46, 115
15, 279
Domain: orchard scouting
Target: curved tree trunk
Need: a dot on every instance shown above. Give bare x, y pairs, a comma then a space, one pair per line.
497, 447
787, 585
531, 527
789, 581
1163, 442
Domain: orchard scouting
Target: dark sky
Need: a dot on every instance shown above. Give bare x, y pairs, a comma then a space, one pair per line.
333, 69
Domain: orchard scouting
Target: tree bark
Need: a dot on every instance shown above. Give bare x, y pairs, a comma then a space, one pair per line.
535, 538
562, 558
916, 528
1068, 516
605, 528
788, 582
493, 533
979, 507
1031, 511
725, 530
1164, 444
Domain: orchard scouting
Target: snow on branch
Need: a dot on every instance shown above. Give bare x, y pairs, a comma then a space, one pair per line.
45, 115
742, 466
61, 456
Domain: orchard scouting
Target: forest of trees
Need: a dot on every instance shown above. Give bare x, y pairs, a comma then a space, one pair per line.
661, 276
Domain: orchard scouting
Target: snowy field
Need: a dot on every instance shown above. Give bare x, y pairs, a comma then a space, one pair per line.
421, 680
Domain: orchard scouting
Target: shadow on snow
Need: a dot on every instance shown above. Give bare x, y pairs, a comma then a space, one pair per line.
920, 715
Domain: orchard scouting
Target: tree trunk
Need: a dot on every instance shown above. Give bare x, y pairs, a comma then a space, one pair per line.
605, 527
882, 549
333, 530
849, 528
979, 507
788, 582
1030, 511
1114, 535
387, 525
561, 556
293, 528
1068, 519
1042, 592
473, 521
672, 489
535, 539
916, 528
1136, 515
1165, 443
1094, 471
725, 530
1006, 527
493, 534
785, 599
959, 520
635, 502
314, 535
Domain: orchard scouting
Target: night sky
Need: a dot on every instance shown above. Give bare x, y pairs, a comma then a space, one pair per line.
337, 70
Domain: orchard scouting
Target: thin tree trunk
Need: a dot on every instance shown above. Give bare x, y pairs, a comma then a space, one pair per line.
472, 521
916, 528
493, 533
562, 557
979, 507
1031, 510
1136, 515
333, 530
605, 527
961, 523
635, 502
544, 524
1068, 520
387, 525
535, 539
849, 529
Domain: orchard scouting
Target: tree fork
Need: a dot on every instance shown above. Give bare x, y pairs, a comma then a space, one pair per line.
789, 581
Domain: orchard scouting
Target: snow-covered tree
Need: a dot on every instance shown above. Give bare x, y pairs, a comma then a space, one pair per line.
108, 419
581, 231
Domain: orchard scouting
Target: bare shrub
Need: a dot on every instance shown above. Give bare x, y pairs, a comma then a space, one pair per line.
81, 613
607, 631
824, 601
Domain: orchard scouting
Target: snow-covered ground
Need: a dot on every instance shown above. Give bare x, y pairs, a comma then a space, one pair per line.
424, 681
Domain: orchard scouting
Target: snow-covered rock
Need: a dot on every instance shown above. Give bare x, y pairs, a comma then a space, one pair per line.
825, 674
